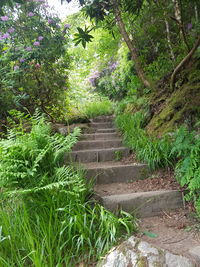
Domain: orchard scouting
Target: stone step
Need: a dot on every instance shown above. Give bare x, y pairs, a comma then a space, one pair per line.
145, 204
115, 172
97, 155
108, 130
101, 125
81, 145
103, 119
100, 136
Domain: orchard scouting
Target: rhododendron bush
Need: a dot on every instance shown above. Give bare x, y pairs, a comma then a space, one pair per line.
33, 59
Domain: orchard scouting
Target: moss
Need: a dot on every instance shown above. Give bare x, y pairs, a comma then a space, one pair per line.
182, 105
142, 262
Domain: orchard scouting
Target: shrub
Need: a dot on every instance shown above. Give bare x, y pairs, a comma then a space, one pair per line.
98, 108
155, 152
187, 149
33, 62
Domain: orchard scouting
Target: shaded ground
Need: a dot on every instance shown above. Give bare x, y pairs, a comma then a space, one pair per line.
160, 180
176, 231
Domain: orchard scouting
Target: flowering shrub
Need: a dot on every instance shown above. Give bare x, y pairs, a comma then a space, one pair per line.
33, 60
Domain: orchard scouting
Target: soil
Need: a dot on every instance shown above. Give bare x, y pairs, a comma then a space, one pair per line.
159, 180
177, 231
130, 159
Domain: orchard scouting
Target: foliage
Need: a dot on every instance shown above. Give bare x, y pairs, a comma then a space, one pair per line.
47, 217
92, 110
118, 79
187, 148
133, 104
33, 63
88, 63
83, 36
179, 149
155, 152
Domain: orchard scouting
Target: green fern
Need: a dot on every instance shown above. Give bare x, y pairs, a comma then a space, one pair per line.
45, 207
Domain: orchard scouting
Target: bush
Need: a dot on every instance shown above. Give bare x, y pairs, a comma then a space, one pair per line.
98, 108
47, 216
187, 149
33, 62
155, 152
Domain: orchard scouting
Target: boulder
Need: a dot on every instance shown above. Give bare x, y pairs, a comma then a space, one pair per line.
138, 253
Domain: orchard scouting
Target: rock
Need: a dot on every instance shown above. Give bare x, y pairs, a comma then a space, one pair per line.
172, 260
195, 252
137, 253
65, 130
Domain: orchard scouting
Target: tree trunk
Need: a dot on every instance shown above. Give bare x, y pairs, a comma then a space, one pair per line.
178, 19
196, 12
130, 44
169, 39
183, 62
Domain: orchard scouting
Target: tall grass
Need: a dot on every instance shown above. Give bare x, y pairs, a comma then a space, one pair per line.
47, 217
98, 108
155, 152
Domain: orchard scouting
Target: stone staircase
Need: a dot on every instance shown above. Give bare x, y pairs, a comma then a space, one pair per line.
100, 152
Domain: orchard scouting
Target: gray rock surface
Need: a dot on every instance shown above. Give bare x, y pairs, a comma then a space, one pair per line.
195, 252
137, 253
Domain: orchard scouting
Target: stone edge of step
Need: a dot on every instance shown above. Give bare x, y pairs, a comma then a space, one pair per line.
96, 150
161, 200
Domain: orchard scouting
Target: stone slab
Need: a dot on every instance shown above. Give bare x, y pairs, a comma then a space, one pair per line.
82, 145
145, 204
103, 119
108, 130
101, 125
100, 136
97, 155
116, 173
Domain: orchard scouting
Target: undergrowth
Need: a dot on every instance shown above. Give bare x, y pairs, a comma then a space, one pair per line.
47, 217
155, 152
98, 108
187, 149
179, 150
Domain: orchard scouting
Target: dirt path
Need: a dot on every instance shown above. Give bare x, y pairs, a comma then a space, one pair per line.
177, 231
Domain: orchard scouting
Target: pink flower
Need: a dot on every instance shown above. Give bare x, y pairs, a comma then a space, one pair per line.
40, 38
28, 48
36, 43
16, 68
22, 60
50, 21
37, 66
4, 18
31, 14
11, 30
189, 26
6, 35
45, 5
67, 26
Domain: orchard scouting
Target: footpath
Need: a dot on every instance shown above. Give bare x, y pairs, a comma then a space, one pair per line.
100, 152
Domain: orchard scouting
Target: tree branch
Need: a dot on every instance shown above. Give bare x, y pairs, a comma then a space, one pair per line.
183, 62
